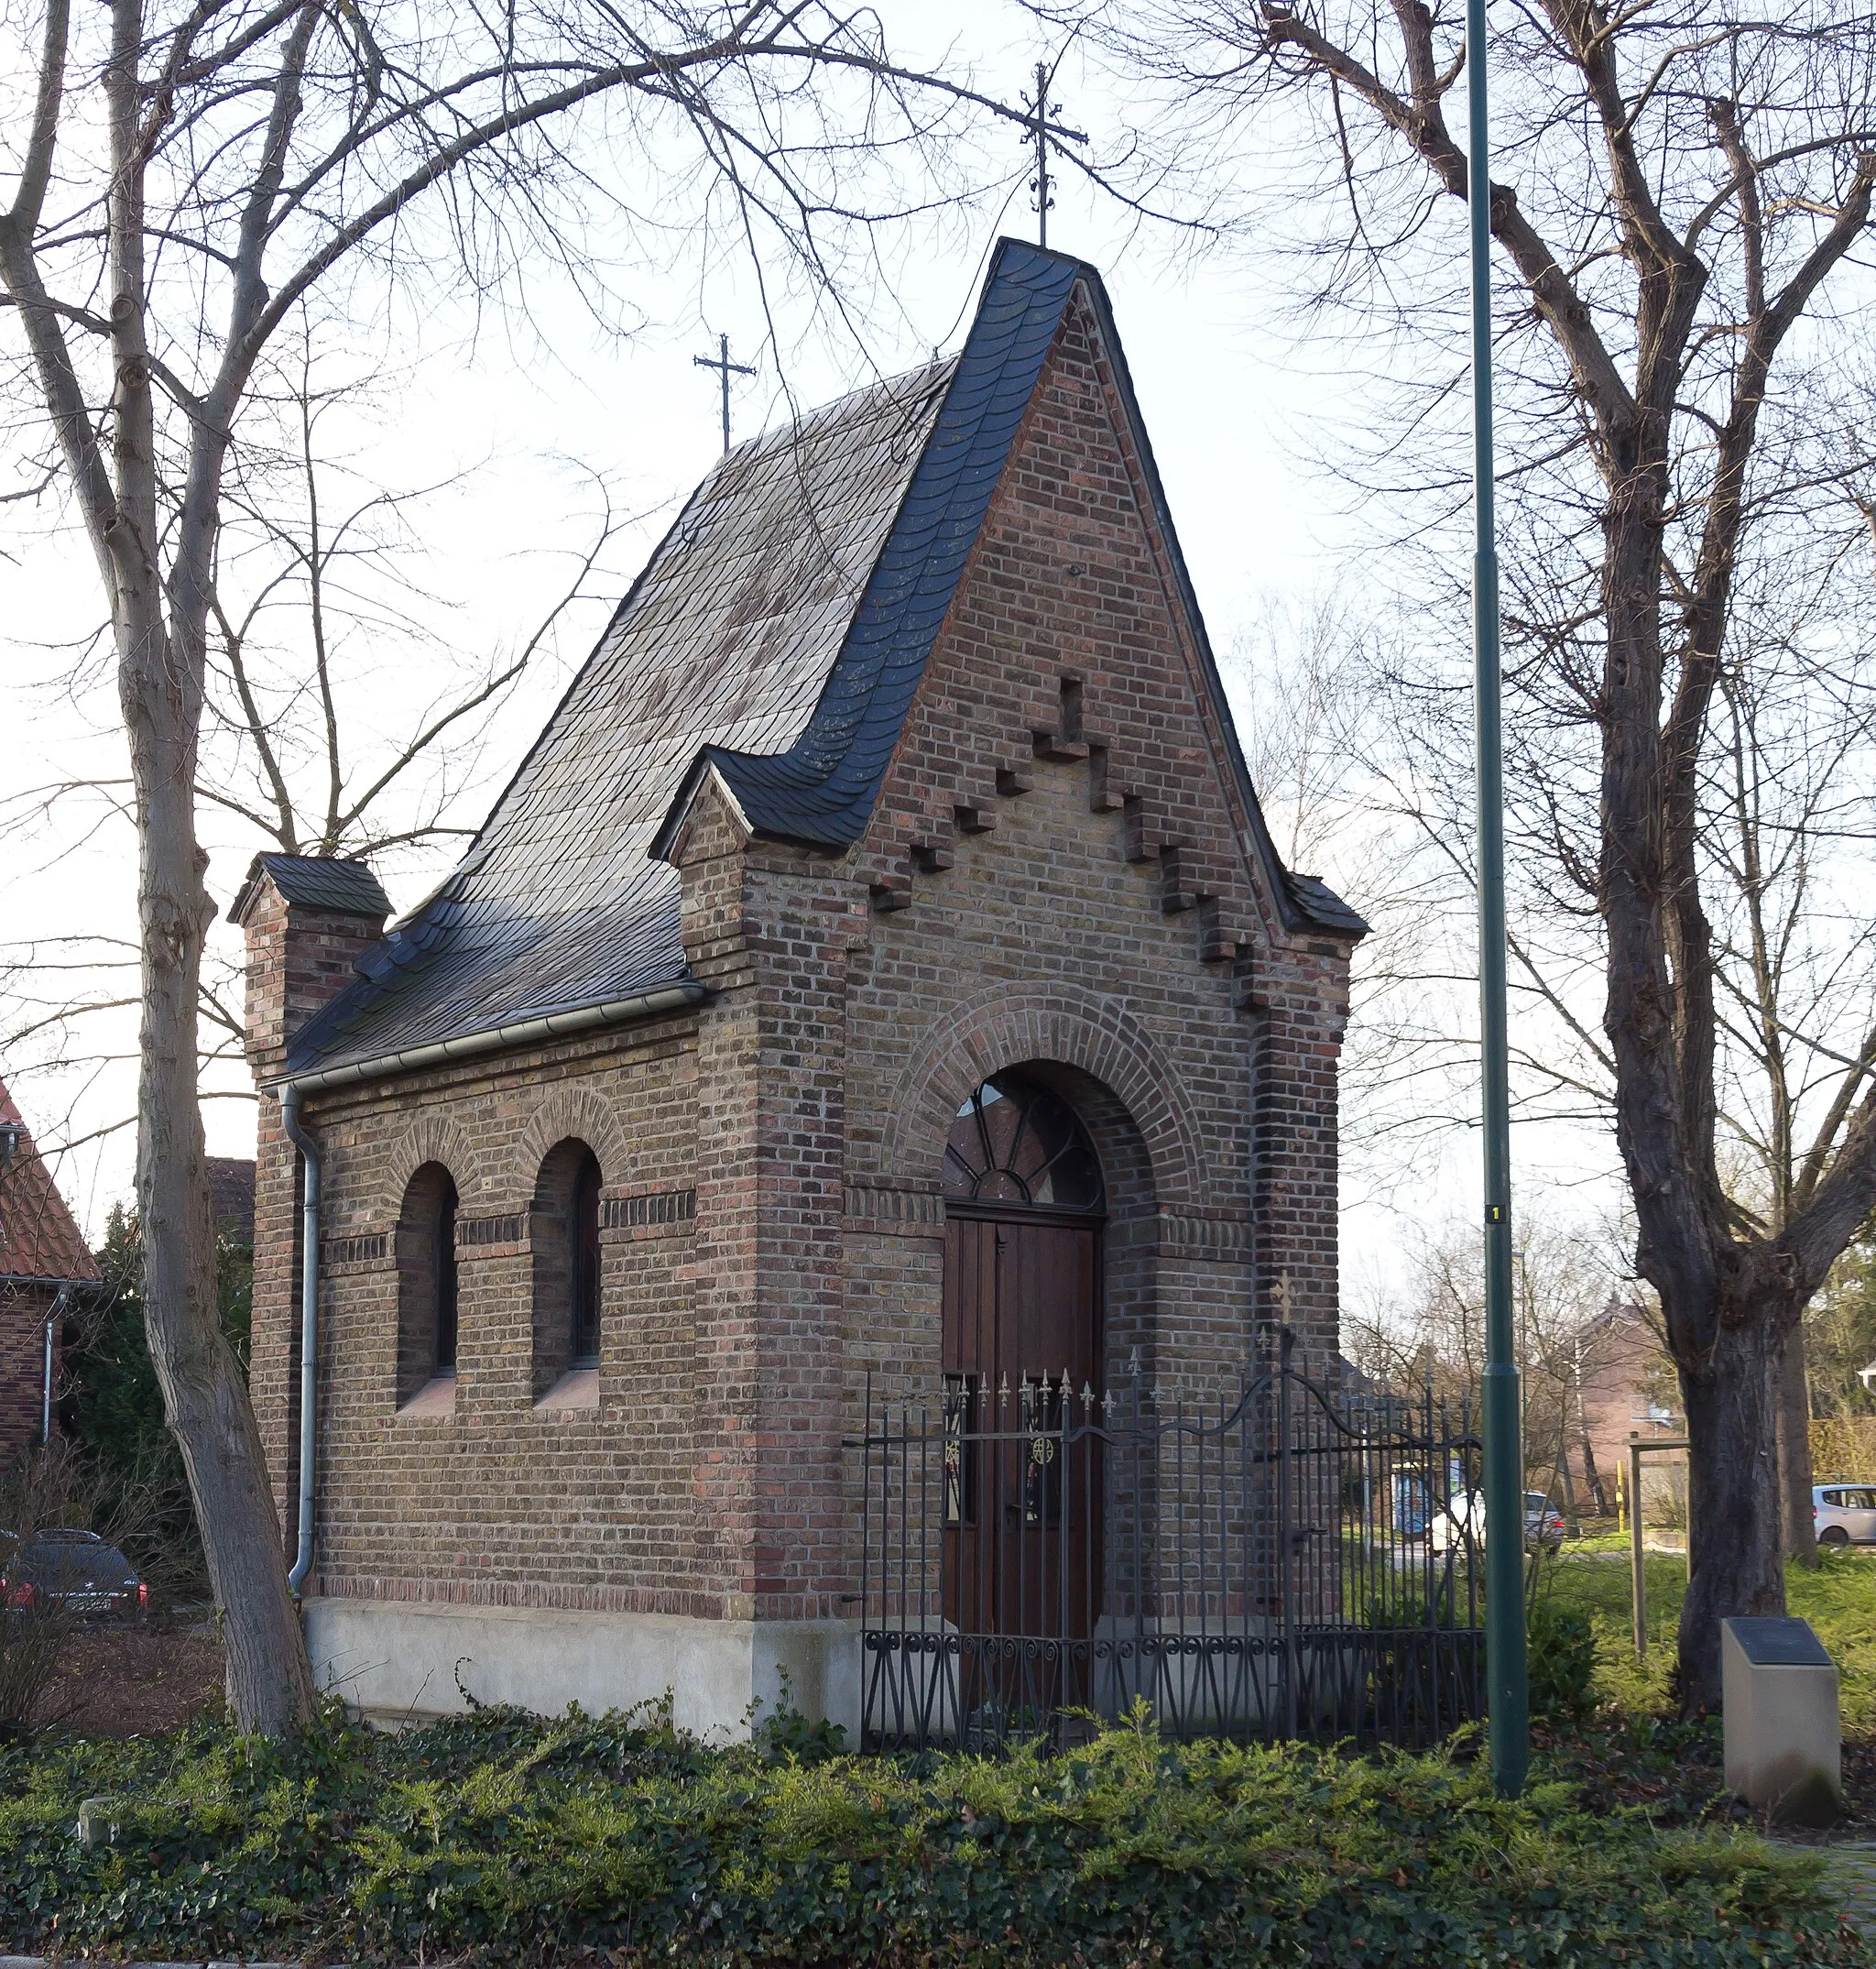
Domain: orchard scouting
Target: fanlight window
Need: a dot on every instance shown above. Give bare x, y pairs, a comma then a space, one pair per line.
1015, 1141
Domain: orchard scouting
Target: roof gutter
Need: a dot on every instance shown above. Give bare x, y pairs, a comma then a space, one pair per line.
520, 1031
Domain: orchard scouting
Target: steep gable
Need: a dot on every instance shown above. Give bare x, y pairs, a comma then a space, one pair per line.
1073, 636
773, 650
821, 791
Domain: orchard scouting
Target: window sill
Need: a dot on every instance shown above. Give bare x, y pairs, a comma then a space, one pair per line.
437, 1397
579, 1389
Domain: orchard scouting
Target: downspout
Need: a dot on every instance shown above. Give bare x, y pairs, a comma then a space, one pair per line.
53, 1320
308, 1323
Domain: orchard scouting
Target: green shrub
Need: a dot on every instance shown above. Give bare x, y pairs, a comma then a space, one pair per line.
1562, 1645
507, 1838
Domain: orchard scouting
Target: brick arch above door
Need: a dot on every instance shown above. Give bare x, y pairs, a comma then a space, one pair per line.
1005, 1027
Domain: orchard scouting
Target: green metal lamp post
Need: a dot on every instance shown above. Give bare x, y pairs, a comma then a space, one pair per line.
1508, 1694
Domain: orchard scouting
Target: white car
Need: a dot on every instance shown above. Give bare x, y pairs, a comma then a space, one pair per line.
1845, 1514
1543, 1523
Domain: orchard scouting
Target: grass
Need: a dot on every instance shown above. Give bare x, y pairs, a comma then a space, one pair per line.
1838, 1599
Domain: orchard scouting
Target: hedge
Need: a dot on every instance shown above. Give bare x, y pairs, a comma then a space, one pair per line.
501, 1837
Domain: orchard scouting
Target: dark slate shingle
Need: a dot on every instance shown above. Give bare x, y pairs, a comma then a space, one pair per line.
726, 639
348, 888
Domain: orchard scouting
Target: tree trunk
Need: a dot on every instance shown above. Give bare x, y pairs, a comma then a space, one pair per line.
205, 1398
160, 660
1736, 1561
1592, 1477
1795, 1450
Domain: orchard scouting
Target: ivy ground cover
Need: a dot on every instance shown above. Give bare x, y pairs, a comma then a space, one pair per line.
500, 1837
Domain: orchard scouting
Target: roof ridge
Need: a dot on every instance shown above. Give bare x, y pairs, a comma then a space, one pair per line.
821, 790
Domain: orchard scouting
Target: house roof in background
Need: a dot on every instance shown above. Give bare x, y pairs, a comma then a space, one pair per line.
777, 635
231, 1196
39, 1238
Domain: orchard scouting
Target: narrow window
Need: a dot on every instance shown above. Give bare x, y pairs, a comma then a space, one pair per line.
427, 1293
444, 1247
585, 1348
566, 1317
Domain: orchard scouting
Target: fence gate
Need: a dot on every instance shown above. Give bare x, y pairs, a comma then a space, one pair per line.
1286, 1561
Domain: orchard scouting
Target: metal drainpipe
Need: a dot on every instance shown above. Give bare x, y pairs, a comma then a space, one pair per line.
53, 1320
309, 1323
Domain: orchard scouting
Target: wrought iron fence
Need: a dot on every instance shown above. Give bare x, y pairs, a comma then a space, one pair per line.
1291, 1561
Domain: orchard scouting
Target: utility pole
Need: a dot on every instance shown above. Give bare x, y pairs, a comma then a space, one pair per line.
725, 368
1509, 1691
1043, 133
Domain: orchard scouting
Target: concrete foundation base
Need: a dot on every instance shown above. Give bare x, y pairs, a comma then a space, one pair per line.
408, 1661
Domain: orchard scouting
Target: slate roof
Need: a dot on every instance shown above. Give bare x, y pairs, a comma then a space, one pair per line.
38, 1239
346, 888
725, 638
778, 634
821, 789
1320, 904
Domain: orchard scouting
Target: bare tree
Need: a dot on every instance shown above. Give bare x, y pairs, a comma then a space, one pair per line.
1684, 192
186, 179
341, 717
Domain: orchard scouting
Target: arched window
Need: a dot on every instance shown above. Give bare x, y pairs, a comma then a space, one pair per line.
568, 1288
427, 1289
1014, 1142
443, 1245
586, 1264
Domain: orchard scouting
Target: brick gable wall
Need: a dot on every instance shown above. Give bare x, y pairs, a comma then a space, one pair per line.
1061, 807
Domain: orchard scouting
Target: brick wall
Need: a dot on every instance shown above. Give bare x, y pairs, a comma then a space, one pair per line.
24, 1310
1057, 874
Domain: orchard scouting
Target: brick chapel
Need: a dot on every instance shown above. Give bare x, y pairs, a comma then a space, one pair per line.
879, 968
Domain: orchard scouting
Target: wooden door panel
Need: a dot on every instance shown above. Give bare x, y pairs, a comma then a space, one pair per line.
1023, 1539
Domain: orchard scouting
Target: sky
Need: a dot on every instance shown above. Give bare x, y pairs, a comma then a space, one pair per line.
534, 414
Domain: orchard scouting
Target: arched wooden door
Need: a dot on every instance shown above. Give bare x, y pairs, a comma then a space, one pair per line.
1022, 1323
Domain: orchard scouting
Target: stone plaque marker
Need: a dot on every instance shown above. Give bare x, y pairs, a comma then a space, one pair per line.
1784, 1735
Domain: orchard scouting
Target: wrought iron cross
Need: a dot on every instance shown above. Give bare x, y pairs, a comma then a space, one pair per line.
725, 368
1041, 134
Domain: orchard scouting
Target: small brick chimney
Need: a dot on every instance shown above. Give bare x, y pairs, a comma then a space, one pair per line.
306, 922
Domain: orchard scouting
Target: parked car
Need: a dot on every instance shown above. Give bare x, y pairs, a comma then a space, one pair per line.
1543, 1526
1844, 1514
72, 1571
1543, 1523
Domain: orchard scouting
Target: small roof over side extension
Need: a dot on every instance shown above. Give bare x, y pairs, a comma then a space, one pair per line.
345, 888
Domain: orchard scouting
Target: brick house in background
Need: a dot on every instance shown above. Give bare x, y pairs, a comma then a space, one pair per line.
1629, 1389
231, 1198
43, 1260
879, 965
